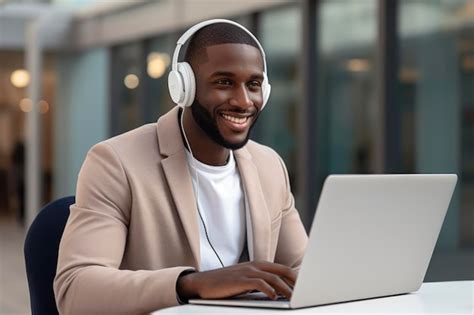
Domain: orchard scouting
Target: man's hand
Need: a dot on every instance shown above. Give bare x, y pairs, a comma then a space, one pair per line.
270, 278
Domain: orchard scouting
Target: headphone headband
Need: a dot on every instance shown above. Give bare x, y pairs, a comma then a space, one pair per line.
190, 32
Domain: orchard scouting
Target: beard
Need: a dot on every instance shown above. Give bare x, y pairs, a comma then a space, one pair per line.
208, 124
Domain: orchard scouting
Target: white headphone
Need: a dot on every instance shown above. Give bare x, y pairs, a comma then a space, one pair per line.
181, 81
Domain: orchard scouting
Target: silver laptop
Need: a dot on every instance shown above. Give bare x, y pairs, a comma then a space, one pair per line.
372, 236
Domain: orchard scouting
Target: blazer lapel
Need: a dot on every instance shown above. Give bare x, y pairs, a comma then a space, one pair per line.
179, 180
176, 170
259, 215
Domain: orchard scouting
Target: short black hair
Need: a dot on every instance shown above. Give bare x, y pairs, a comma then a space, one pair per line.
216, 34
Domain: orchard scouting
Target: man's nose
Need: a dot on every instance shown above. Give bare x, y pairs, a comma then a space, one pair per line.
241, 97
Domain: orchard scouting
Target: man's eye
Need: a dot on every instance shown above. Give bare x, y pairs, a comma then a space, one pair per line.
255, 83
223, 82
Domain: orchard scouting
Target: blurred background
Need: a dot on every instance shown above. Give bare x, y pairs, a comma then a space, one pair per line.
358, 86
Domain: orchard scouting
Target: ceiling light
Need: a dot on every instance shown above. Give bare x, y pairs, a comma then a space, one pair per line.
157, 64
43, 107
20, 78
26, 105
357, 65
131, 81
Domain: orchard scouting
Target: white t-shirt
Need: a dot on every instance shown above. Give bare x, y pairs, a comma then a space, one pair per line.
220, 200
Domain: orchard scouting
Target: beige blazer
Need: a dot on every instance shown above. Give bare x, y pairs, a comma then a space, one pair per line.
134, 226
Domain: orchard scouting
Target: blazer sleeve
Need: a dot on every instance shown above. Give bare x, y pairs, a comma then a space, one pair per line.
88, 278
292, 239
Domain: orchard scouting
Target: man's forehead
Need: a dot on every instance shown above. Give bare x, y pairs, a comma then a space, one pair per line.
231, 55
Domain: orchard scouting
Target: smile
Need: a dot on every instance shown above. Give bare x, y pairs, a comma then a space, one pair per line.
235, 120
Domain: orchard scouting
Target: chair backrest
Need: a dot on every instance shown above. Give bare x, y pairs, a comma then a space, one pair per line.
41, 254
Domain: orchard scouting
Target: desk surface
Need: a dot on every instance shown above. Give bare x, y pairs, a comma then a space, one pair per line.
433, 297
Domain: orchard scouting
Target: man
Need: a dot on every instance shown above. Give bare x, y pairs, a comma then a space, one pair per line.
186, 207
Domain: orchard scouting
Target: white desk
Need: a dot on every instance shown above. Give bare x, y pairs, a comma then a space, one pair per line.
433, 298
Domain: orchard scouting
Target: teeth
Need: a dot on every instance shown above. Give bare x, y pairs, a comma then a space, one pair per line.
235, 119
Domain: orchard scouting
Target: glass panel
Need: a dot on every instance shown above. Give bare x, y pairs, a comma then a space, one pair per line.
346, 85
157, 100
436, 76
125, 83
14, 108
277, 126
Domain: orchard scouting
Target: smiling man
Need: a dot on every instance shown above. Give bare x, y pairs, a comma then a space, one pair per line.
187, 207
228, 99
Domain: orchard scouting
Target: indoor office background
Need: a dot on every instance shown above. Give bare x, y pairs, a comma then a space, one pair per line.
358, 86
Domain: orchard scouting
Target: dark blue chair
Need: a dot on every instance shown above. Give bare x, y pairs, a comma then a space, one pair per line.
41, 254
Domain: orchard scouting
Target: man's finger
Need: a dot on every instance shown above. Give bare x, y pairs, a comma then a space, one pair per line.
277, 283
262, 286
289, 282
281, 270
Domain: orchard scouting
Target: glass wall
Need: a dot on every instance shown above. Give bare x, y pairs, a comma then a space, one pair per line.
157, 100
81, 114
436, 78
277, 125
126, 76
12, 136
14, 109
346, 91
433, 96
140, 82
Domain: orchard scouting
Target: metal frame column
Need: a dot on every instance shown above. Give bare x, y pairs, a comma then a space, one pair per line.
309, 181
33, 151
388, 138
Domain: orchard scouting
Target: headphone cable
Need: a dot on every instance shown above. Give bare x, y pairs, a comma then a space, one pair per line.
197, 188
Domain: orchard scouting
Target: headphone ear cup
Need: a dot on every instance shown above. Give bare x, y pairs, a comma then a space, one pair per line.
189, 81
176, 86
266, 89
